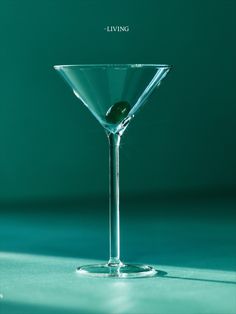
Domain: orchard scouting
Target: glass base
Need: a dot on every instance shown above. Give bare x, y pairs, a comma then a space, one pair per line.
120, 271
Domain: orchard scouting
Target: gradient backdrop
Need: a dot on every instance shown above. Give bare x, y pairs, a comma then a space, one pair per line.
183, 141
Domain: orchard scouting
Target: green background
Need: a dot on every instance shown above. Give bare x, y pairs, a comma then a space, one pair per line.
178, 159
181, 143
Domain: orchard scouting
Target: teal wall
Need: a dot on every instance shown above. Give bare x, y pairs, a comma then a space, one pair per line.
182, 141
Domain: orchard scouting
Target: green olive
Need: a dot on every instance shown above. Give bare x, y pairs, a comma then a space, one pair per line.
118, 112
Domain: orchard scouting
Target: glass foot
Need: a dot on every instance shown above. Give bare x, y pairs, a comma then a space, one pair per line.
120, 271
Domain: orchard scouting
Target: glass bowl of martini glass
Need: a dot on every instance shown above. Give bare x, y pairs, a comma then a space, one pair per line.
114, 93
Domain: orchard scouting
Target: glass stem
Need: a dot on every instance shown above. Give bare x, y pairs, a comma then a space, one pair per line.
114, 212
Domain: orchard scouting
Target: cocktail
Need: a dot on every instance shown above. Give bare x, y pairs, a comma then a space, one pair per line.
114, 93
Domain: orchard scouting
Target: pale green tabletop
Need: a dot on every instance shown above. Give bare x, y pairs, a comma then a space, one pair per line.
40, 252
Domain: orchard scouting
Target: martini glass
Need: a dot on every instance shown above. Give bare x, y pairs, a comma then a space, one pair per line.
114, 93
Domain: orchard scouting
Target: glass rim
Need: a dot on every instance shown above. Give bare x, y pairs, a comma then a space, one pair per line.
105, 65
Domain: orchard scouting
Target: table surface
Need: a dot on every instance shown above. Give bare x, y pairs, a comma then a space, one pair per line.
195, 253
